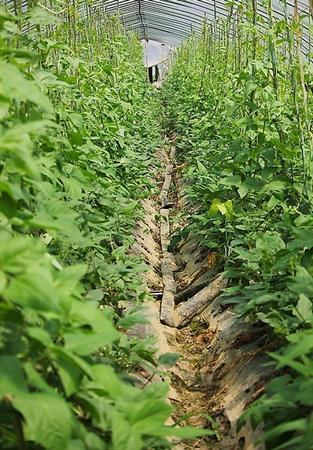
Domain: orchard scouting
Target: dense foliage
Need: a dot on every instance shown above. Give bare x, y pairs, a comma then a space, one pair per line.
241, 103
77, 133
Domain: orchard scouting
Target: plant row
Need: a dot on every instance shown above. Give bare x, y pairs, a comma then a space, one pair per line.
240, 99
77, 133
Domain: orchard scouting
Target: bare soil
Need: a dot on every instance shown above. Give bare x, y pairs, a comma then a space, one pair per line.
220, 370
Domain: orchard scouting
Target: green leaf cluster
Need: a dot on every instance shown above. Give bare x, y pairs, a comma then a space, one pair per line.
78, 130
241, 104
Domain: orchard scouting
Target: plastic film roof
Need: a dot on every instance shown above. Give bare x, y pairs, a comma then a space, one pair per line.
171, 21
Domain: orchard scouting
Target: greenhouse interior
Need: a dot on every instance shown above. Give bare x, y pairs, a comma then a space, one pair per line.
156, 224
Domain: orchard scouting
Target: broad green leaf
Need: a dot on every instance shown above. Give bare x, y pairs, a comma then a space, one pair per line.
34, 290
105, 378
17, 52
35, 380
15, 85
273, 202
168, 359
96, 295
40, 335
12, 189
275, 186
302, 282
77, 120
229, 213
222, 208
296, 338
62, 354
93, 442
304, 235
249, 185
157, 390
72, 187
19, 254
124, 437
150, 416
70, 373
12, 380
45, 78
226, 208
77, 444
85, 314
16, 143
303, 310
271, 241
233, 180
243, 190
83, 342
214, 207
132, 317
67, 283
47, 419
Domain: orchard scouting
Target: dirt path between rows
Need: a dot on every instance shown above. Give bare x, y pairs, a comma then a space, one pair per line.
220, 370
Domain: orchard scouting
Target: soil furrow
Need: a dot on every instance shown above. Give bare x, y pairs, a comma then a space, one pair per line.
221, 359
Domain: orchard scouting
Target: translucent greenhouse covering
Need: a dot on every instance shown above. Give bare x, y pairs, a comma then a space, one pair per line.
171, 21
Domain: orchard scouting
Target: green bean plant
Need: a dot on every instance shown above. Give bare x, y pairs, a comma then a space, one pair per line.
78, 129
244, 134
